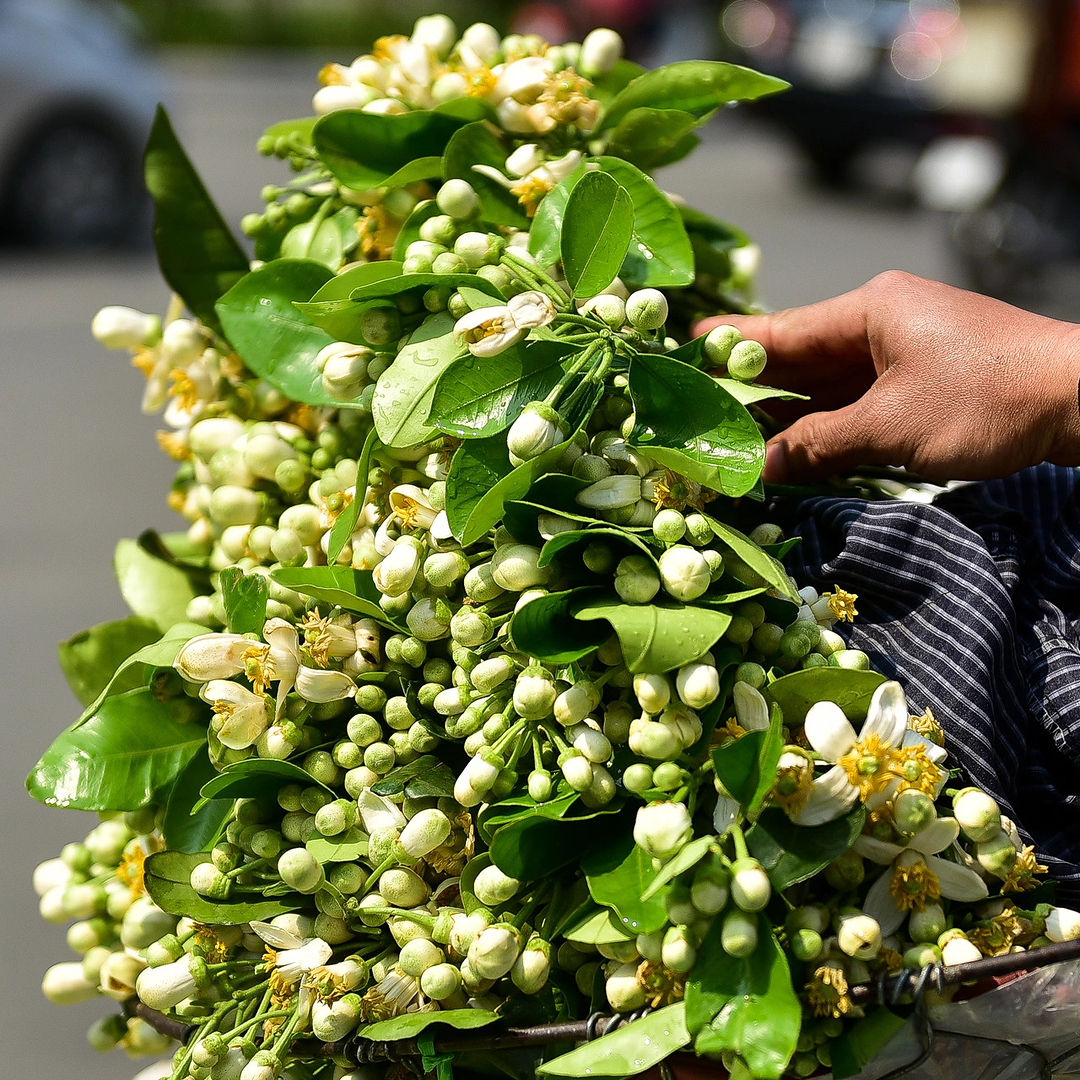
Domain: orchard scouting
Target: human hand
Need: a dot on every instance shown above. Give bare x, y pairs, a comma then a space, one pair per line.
905, 371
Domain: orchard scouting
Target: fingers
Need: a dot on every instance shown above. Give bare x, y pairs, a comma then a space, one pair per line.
825, 443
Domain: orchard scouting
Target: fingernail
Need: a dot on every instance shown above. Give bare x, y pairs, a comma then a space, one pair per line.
775, 463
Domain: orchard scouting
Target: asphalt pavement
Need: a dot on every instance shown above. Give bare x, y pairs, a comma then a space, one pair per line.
79, 468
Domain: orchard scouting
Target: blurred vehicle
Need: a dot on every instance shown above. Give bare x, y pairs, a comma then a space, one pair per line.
871, 72
77, 95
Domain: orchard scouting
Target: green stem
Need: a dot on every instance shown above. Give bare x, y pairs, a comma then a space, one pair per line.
584, 358
741, 850
532, 274
507, 736
256, 1020
245, 868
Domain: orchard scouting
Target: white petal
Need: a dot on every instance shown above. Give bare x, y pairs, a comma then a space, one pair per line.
879, 851
727, 810
957, 882
751, 709
378, 813
275, 937
471, 320
937, 836
562, 167
212, 656
494, 174
494, 344
888, 714
937, 754
440, 528
313, 684
830, 797
828, 730
531, 309
879, 904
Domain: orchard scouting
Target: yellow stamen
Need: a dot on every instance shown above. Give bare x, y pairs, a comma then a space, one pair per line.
675, 492
867, 766
174, 444
388, 47
914, 769
842, 604
378, 231
890, 960
176, 501
213, 949
732, 729
928, 727
144, 359
913, 886
662, 987
479, 82
317, 638
827, 992
995, 936
530, 190
183, 389
331, 75
564, 98
1022, 875
488, 328
258, 667
131, 870
794, 783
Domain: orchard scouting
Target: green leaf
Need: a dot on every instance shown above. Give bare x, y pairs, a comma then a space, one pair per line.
477, 144
619, 874
348, 847
255, 778
199, 257
409, 1025
480, 396
123, 757
747, 765
245, 600
629, 1050
561, 542
410, 230
792, 853
160, 653
647, 137
660, 253
860, 1043
546, 628
693, 86
90, 659
747, 1006
545, 232
185, 828
273, 338
761, 562
851, 690
418, 779
405, 389
345, 523
687, 858
346, 588
168, 881
324, 240
366, 150
332, 307
598, 927
750, 393
658, 638
713, 242
151, 587
597, 226
694, 427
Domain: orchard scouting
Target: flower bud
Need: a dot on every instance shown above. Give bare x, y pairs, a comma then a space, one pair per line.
344, 369
913, 811
958, 950
428, 619
478, 249
653, 692
684, 572
996, 855
494, 950
1062, 924
746, 360
394, 576
492, 887
590, 742
534, 432
739, 933
426, 831
859, 936
719, 342
750, 887
609, 309
600, 52
698, 684
636, 579
578, 771
928, 925
575, 703
653, 740
611, 493
457, 199
534, 693
678, 953
264, 1065
624, 992
65, 984
118, 975
806, 944
300, 870
464, 929
163, 987
647, 309
977, 814
662, 828
125, 328
531, 969
515, 567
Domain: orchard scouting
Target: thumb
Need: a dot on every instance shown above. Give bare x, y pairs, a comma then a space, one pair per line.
823, 444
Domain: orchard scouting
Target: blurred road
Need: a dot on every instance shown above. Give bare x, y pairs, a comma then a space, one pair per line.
80, 468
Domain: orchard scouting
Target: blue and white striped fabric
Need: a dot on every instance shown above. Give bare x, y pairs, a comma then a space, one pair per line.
973, 604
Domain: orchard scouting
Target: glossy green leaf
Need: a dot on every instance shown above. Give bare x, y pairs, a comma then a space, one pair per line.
404, 391
693, 86
273, 338
747, 766
660, 253
342, 286
546, 628
410, 229
367, 150
345, 523
658, 638
606, 87
863, 1040
747, 1006
545, 232
573, 538
478, 396
168, 881
750, 393
598, 927
160, 653
477, 144
185, 828
346, 588
482, 481
409, 1025
597, 226
851, 690
124, 756
768, 568
648, 137
245, 598
255, 778
152, 588
390, 287
348, 847
90, 659
198, 255
694, 427
418, 779
792, 853
687, 858
619, 875
629, 1050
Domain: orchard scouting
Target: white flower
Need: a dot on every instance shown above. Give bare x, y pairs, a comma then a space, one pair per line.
661, 828
244, 715
163, 987
751, 709
600, 52
523, 80
125, 328
524, 160
394, 576
531, 309
378, 813
531, 186
860, 760
295, 956
488, 331
213, 656
916, 874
